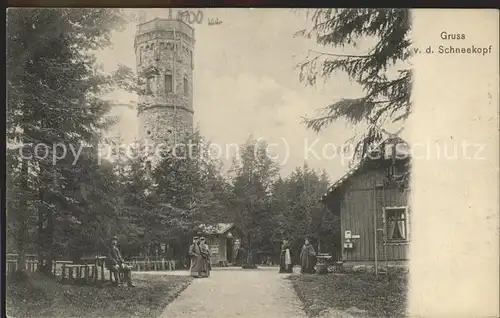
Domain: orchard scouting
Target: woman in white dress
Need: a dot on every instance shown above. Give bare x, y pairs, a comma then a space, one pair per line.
286, 265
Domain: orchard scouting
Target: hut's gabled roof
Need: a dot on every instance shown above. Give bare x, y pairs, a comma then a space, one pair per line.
218, 228
362, 162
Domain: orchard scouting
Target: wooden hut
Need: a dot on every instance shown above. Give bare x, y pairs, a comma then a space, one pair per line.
372, 202
221, 239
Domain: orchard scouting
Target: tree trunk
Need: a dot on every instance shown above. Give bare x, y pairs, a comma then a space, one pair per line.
250, 259
45, 233
50, 241
40, 235
249, 252
41, 231
21, 221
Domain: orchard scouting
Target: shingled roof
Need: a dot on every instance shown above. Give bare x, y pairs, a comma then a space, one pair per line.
362, 162
218, 228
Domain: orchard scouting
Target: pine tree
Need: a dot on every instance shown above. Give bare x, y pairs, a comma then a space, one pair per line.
53, 91
386, 98
295, 210
190, 190
254, 175
280, 209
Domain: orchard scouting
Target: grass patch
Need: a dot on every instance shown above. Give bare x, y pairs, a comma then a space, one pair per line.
356, 294
43, 297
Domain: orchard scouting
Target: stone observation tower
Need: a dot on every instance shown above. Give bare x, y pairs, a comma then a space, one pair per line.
164, 57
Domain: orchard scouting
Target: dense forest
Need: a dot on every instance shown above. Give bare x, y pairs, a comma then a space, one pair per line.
63, 203
72, 206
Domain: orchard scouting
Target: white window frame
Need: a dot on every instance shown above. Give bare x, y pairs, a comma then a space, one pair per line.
407, 224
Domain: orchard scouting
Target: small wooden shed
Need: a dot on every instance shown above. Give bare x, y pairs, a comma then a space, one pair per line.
221, 238
372, 202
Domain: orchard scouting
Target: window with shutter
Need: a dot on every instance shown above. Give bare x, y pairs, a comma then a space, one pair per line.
396, 224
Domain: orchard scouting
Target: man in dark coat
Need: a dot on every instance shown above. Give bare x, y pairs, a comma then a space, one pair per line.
116, 263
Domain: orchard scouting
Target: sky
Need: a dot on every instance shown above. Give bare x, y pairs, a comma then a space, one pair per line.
246, 84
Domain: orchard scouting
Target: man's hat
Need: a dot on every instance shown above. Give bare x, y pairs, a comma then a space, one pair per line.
202, 238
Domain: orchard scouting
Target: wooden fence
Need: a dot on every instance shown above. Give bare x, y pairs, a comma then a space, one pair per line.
33, 265
60, 267
152, 265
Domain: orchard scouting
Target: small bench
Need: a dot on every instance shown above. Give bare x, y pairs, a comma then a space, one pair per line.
87, 272
121, 276
97, 263
87, 269
30, 262
61, 264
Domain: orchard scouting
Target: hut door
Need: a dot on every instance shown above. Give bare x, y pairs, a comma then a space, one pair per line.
229, 250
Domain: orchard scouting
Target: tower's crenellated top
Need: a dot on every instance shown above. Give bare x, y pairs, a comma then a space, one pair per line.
164, 51
162, 28
164, 57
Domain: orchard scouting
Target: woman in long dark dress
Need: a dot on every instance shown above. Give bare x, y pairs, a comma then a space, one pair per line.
206, 254
286, 265
307, 258
196, 258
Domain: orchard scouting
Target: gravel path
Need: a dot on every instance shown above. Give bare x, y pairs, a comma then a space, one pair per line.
238, 293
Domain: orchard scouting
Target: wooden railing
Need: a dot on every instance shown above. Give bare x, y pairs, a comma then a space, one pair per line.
92, 268
152, 265
33, 265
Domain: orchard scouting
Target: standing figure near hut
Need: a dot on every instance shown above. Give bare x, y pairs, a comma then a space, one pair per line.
205, 253
239, 257
196, 258
116, 263
286, 265
307, 258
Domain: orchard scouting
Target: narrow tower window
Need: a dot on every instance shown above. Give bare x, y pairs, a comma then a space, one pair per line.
186, 88
156, 52
169, 87
149, 83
